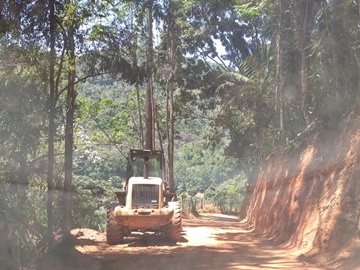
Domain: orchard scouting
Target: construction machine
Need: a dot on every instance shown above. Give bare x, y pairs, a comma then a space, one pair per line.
145, 204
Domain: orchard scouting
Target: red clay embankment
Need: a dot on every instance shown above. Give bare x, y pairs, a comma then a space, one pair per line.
308, 197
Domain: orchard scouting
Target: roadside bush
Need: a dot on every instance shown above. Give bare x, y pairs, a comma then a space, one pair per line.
90, 198
228, 196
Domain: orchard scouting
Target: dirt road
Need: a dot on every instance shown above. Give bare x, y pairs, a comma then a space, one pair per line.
209, 242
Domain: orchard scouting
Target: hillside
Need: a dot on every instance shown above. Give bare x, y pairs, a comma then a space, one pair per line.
308, 196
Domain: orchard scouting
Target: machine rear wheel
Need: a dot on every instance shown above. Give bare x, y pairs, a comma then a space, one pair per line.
173, 229
114, 231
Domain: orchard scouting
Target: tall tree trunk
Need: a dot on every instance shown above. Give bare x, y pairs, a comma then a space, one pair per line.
302, 17
141, 132
158, 128
304, 37
170, 86
150, 126
170, 115
69, 134
304, 82
135, 64
51, 132
279, 76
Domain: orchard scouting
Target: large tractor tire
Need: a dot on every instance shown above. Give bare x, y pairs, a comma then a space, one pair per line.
114, 231
173, 229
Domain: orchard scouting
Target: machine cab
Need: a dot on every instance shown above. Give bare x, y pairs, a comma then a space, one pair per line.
145, 186
145, 163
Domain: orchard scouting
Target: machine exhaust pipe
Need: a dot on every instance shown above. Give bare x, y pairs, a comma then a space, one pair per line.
146, 169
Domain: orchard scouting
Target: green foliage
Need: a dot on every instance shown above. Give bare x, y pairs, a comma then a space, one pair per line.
198, 168
248, 10
242, 107
23, 218
228, 196
90, 198
110, 109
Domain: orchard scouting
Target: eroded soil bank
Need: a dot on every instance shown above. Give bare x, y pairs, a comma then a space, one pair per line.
308, 196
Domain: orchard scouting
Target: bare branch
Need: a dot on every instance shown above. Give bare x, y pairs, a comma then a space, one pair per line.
79, 81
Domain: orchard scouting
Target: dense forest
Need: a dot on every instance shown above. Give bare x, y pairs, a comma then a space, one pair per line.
229, 83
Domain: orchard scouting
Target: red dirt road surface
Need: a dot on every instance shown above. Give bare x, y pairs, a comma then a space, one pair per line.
209, 242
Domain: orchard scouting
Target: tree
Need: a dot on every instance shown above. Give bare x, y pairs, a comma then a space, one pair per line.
303, 18
279, 67
23, 121
172, 47
74, 15
52, 128
150, 116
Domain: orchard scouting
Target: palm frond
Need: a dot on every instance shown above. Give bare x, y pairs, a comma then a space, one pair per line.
234, 77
